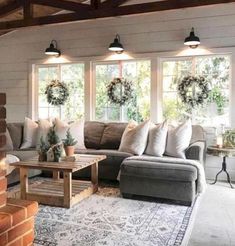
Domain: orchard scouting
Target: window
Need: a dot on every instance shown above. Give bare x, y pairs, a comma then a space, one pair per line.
73, 76
216, 69
138, 108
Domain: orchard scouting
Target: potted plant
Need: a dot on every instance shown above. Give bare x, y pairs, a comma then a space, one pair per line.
43, 148
69, 143
56, 146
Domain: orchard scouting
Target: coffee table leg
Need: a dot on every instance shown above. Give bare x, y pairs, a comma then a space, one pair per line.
94, 176
23, 183
67, 189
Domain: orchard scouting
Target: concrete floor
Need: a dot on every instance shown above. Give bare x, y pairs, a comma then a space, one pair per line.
215, 219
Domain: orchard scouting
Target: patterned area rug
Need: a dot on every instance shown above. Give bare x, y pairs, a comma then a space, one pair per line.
106, 218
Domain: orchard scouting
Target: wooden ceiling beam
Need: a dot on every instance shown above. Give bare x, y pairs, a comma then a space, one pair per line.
62, 4
113, 4
95, 4
27, 10
10, 8
111, 12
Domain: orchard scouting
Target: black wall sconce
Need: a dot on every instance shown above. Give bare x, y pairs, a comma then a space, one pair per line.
192, 40
116, 46
52, 50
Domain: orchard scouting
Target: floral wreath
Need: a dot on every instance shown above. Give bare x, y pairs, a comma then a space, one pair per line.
193, 90
125, 94
57, 93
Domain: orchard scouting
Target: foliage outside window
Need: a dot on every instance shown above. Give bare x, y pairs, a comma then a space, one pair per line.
73, 76
138, 108
216, 70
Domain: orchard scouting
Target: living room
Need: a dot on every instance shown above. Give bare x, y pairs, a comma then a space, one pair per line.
119, 122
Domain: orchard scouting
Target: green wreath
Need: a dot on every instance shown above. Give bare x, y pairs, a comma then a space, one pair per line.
193, 90
57, 93
122, 95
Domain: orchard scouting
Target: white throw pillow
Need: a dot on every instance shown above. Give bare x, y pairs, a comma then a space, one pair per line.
30, 134
44, 126
76, 130
178, 140
134, 138
157, 139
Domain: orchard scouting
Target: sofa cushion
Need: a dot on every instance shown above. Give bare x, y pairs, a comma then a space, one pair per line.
44, 126
9, 144
134, 138
29, 134
76, 129
93, 132
157, 139
24, 154
16, 133
112, 135
178, 140
158, 170
108, 168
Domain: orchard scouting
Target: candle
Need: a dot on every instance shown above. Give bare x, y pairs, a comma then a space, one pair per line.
219, 141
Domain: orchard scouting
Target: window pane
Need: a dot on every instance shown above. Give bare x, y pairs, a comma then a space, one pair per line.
105, 110
173, 109
138, 108
216, 70
139, 72
73, 76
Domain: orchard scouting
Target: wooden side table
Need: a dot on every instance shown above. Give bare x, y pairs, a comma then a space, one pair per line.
224, 153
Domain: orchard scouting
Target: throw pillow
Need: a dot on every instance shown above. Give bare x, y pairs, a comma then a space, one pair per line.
178, 140
29, 134
134, 138
43, 129
157, 139
76, 130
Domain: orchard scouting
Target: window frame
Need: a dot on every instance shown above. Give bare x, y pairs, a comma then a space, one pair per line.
161, 60
36, 67
155, 57
116, 62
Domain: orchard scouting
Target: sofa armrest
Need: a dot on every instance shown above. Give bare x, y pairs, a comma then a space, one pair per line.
197, 151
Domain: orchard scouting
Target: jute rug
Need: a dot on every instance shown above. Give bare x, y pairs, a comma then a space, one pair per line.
106, 218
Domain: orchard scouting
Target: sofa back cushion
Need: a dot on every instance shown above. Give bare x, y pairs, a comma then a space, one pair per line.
112, 135
198, 134
16, 133
93, 132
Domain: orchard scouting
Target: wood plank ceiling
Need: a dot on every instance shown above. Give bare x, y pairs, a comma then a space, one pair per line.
15, 14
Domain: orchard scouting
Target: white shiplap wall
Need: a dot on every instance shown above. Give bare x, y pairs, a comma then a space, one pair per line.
155, 32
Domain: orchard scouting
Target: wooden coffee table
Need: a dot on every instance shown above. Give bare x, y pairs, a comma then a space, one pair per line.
59, 192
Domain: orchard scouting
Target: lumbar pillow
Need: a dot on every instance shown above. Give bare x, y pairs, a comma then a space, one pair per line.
30, 134
134, 138
178, 140
44, 126
157, 139
76, 130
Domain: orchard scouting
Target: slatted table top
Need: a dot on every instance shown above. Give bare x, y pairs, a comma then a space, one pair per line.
83, 162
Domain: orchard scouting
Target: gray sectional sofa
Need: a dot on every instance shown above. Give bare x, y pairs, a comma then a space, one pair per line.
137, 176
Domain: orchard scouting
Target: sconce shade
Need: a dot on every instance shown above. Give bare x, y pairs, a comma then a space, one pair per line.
192, 41
52, 49
116, 46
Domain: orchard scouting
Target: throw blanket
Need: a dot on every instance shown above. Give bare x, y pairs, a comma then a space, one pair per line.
201, 179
